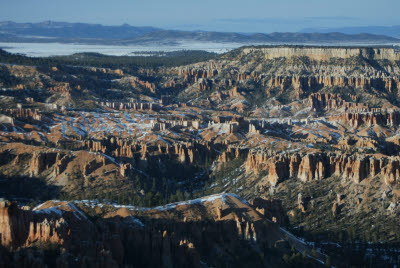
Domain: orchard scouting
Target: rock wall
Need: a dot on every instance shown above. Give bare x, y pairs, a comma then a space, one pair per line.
118, 239
325, 53
356, 119
326, 101
23, 113
305, 84
317, 166
19, 228
131, 106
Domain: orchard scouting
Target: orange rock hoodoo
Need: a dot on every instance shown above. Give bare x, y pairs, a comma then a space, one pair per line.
317, 166
303, 84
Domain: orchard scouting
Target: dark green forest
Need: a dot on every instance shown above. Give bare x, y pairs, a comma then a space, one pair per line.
160, 59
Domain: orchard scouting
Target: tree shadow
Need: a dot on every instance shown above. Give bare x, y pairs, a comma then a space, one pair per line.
23, 188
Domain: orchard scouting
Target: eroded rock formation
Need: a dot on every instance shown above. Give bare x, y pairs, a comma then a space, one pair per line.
317, 166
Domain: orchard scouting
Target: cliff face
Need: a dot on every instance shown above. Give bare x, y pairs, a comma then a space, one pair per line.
60, 168
325, 101
303, 70
304, 85
23, 113
23, 228
68, 227
364, 117
317, 166
320, 53
116, 238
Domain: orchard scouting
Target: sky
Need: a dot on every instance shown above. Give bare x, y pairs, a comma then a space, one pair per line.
211, 15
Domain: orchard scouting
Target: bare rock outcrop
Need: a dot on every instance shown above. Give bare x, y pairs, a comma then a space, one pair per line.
317, 166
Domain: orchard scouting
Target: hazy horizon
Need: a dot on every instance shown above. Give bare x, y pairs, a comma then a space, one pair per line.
227, 16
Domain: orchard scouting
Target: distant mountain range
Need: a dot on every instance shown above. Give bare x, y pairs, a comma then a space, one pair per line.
51, 29
171, 36
393, 31
64, 32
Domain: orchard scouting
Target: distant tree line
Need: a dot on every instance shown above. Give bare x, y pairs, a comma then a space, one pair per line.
165, 59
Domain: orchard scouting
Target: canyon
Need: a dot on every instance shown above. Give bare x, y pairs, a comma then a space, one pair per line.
175, 235
269, 155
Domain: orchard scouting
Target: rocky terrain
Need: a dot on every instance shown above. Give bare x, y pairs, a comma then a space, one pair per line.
308, 135
218, 230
